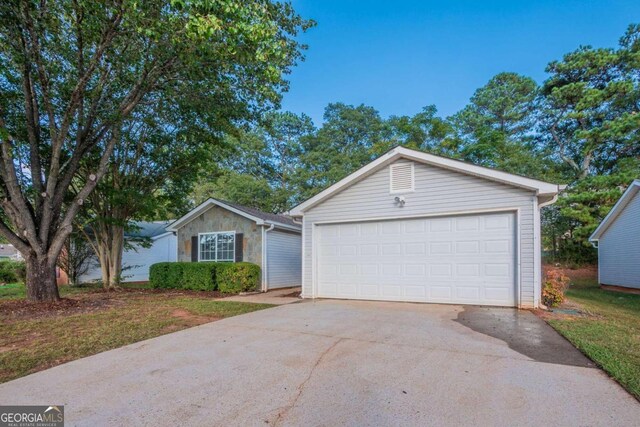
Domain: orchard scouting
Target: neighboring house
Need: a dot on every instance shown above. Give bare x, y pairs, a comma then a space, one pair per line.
618, 241
227, 232
8, 251
412, 226
137, 259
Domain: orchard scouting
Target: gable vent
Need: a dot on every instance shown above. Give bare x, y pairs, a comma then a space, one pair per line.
401, 177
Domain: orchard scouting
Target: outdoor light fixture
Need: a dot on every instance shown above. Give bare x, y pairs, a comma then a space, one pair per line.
400, 201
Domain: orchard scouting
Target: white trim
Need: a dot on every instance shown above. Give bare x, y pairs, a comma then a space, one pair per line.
265, 257
626, 197
207, 204
437, 214
413, 178
518, 250
540, 187
284, 226
264, 252
160, 236
537, 255
304, 260
315, 236
209, 233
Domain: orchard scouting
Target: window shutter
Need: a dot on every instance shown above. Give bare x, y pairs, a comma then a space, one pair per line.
401, 177
238, 244
194, 248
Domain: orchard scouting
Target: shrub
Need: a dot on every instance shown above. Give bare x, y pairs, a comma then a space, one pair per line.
12, 271
205, 276
237, 277
554, 287
166, 275
198, 276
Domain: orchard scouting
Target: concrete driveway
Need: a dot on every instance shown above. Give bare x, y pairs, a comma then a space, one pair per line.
340, 363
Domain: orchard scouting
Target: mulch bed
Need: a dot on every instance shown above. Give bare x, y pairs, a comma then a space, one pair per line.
21, 309
87, 302
586, 272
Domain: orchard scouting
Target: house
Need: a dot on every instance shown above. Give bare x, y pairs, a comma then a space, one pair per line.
8, 251
618, 241
412, 226
150, 243
222, 231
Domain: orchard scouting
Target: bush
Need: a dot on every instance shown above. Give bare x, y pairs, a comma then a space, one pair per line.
166, 275
205, 276
554, 287
237, 277
12, 271
198, 276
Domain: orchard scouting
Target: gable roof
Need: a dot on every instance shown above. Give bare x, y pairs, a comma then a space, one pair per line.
256, 215
541, 188
617, 209
148, 229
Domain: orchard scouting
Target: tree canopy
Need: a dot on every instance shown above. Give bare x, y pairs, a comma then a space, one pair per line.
77, 76
579, 127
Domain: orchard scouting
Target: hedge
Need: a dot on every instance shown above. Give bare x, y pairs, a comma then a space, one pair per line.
12, 271
237, 277
205, 276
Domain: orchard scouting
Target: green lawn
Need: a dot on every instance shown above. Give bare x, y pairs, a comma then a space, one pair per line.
32, 339
609, 334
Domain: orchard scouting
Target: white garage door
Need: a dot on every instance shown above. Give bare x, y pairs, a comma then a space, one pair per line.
461, 259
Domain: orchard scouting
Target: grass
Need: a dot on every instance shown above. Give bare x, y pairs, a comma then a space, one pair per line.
30, 342
610, 334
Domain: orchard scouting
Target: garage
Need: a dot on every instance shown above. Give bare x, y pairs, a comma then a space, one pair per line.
466, 259
413, 226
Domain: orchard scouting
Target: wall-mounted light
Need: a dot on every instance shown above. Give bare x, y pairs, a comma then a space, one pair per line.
400, 201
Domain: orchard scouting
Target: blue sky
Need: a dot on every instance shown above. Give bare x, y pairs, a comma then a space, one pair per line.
399, 56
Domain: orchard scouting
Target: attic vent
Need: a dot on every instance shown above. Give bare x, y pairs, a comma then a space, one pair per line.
401, 177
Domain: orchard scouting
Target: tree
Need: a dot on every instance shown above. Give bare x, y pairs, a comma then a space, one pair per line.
262, 165
76, 257
157, 158
423, 131
73, 72
496, 129
592, 101
345, 142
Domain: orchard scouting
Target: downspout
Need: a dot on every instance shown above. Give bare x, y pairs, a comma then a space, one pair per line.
542, 205
264, 255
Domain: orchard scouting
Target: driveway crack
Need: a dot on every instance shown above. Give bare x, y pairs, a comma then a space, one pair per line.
283, 411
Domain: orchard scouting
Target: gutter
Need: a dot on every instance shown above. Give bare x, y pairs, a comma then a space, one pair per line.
264, 254
550, 202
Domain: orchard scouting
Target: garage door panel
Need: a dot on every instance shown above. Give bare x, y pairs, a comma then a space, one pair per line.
466, 259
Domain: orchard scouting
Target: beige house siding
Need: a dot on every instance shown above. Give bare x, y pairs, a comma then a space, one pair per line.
218, 219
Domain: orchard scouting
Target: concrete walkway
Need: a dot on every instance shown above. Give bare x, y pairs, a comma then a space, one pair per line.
340, 363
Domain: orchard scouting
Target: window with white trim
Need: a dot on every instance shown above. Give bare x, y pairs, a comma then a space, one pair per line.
219, 246
401, 179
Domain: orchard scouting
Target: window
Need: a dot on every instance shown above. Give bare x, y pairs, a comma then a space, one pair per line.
219, 246
401, 178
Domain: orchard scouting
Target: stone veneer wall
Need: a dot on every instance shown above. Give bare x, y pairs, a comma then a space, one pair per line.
219, 219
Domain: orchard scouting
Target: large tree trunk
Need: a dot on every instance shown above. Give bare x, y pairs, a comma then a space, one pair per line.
41, 279
109, 245
115, 256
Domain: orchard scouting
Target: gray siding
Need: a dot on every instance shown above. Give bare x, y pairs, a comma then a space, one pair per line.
219, 219
137, 260
284, 259
437, 191
619, 248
